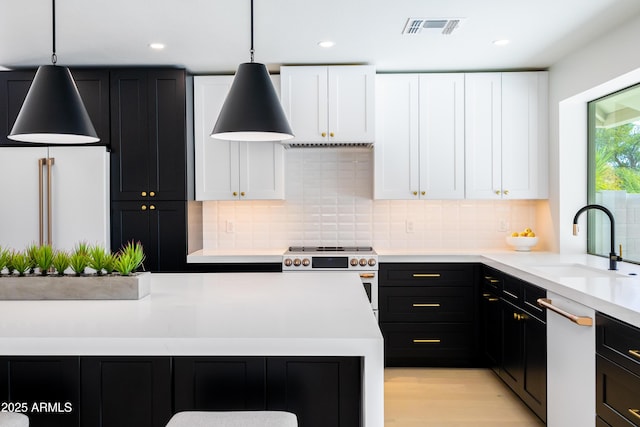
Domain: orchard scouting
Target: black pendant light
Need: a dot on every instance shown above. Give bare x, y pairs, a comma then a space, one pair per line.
252, 110
53, 112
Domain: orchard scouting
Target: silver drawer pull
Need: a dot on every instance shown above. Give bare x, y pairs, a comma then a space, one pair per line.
635, 353
425, 341
426, 304
579, 320
426, 274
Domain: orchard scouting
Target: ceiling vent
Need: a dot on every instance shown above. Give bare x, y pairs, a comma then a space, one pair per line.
444, 26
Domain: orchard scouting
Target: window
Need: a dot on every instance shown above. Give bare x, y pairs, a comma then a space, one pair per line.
614, 172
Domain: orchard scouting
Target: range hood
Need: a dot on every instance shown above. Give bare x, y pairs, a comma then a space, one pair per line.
325, 144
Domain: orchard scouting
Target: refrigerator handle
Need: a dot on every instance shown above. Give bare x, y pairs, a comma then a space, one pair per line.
41, 163
50, 163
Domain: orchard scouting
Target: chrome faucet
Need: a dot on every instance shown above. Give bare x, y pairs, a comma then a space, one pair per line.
613, 257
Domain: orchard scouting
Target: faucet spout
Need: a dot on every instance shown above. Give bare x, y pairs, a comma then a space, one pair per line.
613, 257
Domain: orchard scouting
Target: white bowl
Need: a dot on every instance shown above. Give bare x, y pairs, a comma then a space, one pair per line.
522, 244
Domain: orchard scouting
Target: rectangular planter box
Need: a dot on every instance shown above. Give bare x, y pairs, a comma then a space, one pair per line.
114, 287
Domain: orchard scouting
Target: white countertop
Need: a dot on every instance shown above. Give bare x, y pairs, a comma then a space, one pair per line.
203, 314
580, 277
208, 256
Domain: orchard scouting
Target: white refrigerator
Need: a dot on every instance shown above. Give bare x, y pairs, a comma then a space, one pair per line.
54, 195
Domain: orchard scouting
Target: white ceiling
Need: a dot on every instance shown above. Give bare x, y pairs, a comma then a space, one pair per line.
212, 36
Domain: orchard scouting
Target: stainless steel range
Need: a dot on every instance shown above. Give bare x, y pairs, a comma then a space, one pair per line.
360, 259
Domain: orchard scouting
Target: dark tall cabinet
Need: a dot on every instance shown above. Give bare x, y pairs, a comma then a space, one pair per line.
149, 156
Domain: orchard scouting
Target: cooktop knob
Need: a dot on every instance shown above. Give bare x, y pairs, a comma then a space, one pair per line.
288, 262
297, 262
372, 262
363, 262
306, 262
353, 262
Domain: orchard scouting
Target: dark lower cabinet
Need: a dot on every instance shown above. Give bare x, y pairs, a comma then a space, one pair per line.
491, 323
229, 384
161, 228
320, 391
126, 391
44, 388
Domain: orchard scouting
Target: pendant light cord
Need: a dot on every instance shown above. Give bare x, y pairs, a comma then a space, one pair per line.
54, 57
252, 50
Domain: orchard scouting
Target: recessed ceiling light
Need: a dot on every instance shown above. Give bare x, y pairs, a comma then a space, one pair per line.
156, 46
501, 42
326, 44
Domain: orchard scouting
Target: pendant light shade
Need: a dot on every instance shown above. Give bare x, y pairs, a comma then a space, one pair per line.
53, 111
252, 110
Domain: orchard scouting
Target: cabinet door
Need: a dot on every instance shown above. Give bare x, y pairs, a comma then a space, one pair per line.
442, 136
321, 391
483, 108
534, 381
159, 226
19, 212
512, 371
351, 103
304, 100
80, 196
148, 134
126, 391
216, 161
219, 383
49, 387
396, 174
491, 329
524, 135
261, 170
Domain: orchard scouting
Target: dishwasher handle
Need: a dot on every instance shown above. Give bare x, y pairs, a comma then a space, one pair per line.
579, 320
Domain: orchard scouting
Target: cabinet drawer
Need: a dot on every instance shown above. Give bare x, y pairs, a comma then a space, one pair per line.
412, 274
428, 344
619, 342
491, 281
426, 304
531, 294
617, 394
512, 290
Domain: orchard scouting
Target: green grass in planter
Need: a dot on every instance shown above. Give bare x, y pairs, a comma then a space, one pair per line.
61, 262
31, 253
20, 262
98, 259
78, 262
110, 263
129, 259
5, 255
43, 257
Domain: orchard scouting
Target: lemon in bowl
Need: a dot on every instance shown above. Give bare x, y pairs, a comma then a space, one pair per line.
522, 241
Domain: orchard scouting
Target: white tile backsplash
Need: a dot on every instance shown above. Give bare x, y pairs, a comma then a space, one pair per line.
329, 202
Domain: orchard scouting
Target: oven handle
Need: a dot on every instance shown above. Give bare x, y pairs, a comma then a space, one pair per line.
367, 275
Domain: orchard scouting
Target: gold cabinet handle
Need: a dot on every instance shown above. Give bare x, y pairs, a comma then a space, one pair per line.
426, 304
323, 134
635, 353
490, 298
505, 192
152, 194
579, 320
242, 193
331, 134
143, 194
426, 274
423, 193
415, 193
144, 207
235, 193
635, 412
367, 275
426, 341
497, 192
152, 207
519, 317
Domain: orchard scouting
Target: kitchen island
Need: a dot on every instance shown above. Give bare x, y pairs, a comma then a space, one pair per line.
208, 316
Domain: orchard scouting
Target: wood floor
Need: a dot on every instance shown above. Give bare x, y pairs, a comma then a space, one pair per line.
433, 397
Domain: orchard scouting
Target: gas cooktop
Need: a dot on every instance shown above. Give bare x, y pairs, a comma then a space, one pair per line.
361, 249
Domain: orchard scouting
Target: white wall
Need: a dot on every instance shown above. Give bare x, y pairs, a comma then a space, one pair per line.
610, 63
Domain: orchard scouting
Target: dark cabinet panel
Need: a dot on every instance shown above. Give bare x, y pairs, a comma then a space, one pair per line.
148, 127
491, 322
219, 383
425, 304
126, 391
93, 85
160, 227
320, 391
45, 388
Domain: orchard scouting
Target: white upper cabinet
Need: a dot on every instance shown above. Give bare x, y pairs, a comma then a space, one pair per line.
419, 148
506, 135
329, 103
229, 170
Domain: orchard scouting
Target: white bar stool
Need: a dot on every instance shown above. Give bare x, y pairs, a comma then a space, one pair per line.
13, 419
233, 419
